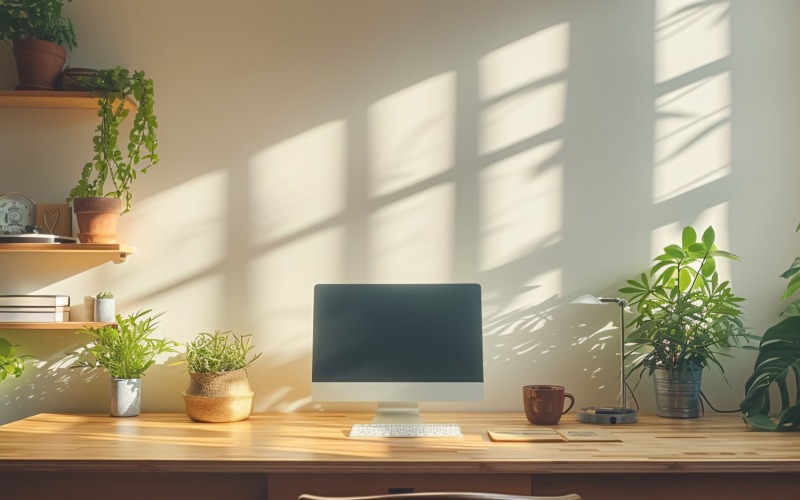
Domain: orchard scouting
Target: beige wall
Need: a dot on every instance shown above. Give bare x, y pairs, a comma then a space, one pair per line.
544, 149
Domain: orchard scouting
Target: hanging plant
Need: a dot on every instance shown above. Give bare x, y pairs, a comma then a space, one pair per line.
109, 166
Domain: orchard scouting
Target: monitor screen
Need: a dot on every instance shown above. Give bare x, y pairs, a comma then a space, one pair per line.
398, 342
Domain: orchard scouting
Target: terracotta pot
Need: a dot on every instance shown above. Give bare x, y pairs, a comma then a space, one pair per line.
218, 397
39, 64
97, 219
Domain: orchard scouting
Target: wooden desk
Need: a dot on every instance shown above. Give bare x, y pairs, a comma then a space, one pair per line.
278, 456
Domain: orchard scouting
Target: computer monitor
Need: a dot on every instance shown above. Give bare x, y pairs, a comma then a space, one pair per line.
397, 344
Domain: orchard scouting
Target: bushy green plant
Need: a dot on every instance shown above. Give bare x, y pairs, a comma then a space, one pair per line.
10, 363
126, 351
114, 87
778, 366
104, 295
685, 314
219, 352
36, 19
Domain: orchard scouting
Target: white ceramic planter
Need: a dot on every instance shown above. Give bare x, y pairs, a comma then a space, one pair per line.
104, 310
125, 397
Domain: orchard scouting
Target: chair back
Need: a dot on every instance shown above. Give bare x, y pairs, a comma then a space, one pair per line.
443, 495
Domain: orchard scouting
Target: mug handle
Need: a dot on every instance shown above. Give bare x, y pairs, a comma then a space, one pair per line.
571, 404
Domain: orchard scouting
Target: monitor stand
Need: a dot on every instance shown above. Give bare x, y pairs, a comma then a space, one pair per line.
398, 413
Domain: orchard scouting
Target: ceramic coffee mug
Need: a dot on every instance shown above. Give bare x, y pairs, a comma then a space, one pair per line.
544, 404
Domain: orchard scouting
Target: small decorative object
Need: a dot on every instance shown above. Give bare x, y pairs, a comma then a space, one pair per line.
219, 390
16, 212
126, 351
777, 367
109, 166
686, 315
71, 78
54, 218
104, 307
38, 33
11, 364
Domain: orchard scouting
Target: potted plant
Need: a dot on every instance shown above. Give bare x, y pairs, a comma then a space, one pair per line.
686, 316
126, 350
11, 364
103, 192
104, 307
219, 390
37, 32
777, 367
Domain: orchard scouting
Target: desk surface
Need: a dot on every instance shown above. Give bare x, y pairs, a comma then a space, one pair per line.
318, 442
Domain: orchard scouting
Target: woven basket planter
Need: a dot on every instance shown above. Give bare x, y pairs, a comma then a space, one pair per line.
218, 397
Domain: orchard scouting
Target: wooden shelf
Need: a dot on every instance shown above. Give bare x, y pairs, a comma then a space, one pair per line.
65, 325
52, 99
116, 252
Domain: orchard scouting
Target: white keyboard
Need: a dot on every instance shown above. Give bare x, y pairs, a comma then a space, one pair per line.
405, 430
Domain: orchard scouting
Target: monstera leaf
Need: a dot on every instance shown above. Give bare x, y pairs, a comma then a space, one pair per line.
778, 365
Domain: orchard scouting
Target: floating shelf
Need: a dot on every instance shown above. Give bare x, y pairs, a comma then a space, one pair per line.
52, 99
116, 252
61, 325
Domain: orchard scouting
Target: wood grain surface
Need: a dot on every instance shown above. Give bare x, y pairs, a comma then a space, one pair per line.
318, 443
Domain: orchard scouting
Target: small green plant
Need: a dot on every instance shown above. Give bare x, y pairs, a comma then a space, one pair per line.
114, 87
104, 295
127, 351
10, 363
685, 314
36, 19
219, 352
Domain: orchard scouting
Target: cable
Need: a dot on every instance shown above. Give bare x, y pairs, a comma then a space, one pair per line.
704, 398
633, 396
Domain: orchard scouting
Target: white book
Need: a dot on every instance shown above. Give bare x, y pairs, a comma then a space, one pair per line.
34, 317
34, 300
30, 309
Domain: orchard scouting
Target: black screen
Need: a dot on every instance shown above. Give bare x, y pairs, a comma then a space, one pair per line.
397, 333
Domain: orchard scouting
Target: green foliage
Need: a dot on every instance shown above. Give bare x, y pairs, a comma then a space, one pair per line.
10, 364
127, 351
104, 295
778, 366
219, 352
685, 314
793, 275
113, 87
36, 19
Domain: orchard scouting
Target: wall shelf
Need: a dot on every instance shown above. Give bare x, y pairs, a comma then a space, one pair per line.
52, 99
28, 267
114, 251
61, 325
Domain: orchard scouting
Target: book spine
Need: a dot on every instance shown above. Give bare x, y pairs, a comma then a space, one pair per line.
33, 309
34, 300
34, 317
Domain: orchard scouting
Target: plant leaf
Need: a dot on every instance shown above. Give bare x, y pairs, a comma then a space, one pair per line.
708, 237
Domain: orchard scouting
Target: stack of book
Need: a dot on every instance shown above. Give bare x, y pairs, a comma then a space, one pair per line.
34, 308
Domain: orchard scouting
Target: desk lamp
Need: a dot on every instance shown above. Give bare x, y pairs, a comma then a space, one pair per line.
610, 414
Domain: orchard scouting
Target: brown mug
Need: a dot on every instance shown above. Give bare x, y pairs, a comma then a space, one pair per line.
544, 404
